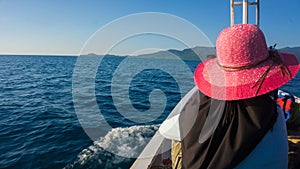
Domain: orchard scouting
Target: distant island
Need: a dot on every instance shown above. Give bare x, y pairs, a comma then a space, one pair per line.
196, 53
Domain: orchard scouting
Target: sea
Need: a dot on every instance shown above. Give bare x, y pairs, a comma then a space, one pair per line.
90, 112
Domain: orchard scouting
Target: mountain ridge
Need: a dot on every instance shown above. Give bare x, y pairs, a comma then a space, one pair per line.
195, 53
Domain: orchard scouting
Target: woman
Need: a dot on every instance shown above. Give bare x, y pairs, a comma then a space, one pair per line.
237, 123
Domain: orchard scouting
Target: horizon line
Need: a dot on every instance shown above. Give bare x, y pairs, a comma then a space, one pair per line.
68, 54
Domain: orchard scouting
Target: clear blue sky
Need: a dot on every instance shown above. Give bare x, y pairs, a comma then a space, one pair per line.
63, 26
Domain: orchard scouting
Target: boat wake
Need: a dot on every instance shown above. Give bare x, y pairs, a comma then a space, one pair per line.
117, 149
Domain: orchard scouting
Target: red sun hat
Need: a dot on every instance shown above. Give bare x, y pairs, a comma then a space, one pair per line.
244, 67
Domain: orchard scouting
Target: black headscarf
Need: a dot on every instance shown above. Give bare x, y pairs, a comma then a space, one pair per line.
241, 126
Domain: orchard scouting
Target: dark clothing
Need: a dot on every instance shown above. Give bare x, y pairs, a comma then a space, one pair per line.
241, 126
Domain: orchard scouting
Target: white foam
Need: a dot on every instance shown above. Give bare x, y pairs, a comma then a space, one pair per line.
118, 146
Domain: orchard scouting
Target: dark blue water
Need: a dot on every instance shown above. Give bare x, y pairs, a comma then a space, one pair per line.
40, 122
38, 126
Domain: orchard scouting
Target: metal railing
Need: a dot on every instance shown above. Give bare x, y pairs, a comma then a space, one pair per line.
245, 5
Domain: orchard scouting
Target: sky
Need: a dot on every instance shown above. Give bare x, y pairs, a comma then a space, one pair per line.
63, 27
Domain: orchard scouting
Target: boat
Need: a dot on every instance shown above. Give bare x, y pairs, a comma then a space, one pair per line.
157, 153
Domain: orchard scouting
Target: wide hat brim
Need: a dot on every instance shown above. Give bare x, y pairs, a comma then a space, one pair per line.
217, 83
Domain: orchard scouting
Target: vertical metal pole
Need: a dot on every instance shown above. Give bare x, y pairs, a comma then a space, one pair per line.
245, 11
231, 12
